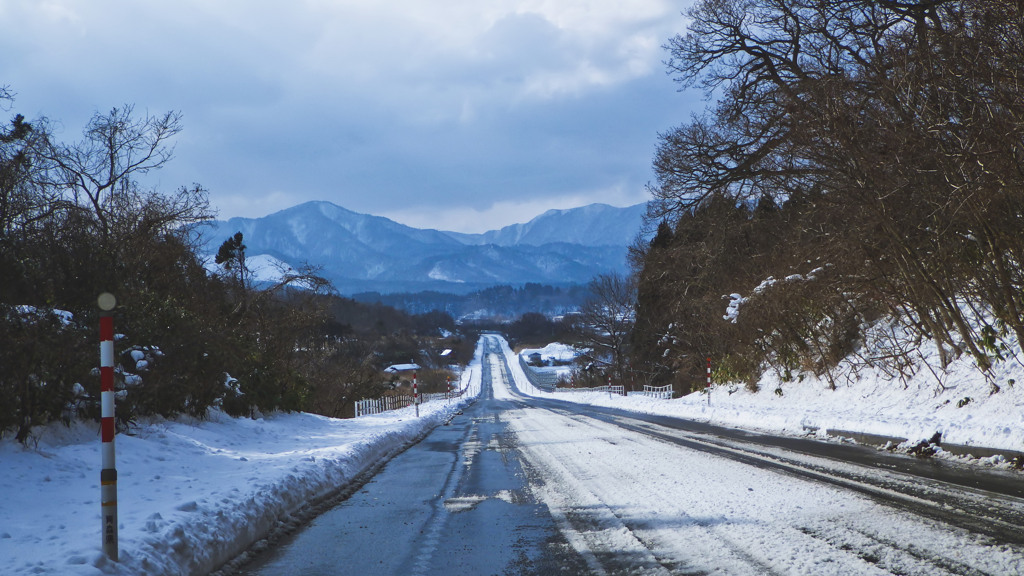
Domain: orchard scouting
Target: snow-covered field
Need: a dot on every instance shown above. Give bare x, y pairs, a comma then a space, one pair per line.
193, 494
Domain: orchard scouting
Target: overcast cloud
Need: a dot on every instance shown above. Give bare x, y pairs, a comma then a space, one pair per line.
462, 115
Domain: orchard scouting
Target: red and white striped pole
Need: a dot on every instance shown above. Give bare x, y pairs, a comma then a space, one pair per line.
415, 394
709, 381
108, 473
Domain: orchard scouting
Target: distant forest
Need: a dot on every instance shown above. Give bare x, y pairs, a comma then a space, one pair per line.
496, 302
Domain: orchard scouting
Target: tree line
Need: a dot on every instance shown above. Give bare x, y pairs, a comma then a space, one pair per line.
858, 179
76, 221
501, 301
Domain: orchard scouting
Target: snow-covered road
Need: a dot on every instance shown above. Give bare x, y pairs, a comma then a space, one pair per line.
635, 503
542, 485
631, 494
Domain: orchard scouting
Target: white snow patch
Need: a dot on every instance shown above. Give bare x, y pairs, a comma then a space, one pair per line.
438, 273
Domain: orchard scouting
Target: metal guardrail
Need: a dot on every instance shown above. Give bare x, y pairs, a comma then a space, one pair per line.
545, 381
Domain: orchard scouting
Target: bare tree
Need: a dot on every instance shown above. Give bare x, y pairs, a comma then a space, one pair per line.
607, 319
889, 134
99, 172
23, 203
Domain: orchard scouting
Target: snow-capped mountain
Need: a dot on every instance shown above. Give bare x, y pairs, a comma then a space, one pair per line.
592, 225
360, 252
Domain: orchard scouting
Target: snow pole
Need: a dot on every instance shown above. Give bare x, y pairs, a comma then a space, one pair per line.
709, 381
415, 395
108, 472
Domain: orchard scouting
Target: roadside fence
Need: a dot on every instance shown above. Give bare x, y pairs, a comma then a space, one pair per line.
387, 403
614, 389
660, 392
382, 404
546, 381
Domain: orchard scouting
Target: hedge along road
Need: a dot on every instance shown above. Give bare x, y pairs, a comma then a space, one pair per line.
525, 486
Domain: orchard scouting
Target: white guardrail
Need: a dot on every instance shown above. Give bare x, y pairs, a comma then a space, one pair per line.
660, 392
548, 382
620, 390
386, 403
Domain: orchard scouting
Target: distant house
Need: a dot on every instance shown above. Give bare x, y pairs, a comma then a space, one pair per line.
399, 368
536, 359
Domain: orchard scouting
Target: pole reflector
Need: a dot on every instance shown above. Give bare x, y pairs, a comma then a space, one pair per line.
108, 472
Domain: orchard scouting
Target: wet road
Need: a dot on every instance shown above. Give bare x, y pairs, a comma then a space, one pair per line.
456, 503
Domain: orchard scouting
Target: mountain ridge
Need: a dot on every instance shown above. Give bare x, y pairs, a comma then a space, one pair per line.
361, 252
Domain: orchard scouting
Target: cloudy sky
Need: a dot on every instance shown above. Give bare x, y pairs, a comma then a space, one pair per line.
463, 115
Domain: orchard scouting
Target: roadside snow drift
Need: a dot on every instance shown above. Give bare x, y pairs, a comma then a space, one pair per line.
192, 494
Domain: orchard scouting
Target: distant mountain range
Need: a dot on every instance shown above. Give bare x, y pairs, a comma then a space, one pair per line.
360, 252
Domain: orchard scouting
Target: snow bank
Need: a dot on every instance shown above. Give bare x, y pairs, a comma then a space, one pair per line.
191, 494
555, 351
958, 403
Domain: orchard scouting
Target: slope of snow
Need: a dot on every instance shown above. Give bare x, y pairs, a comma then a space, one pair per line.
669, 509
591, 225
958, 403
266, 268
191, 494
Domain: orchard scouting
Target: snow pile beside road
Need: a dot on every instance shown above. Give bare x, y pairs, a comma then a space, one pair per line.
555, 352
191, 494
961, 406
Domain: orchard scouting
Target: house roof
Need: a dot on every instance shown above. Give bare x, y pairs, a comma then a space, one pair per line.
396, 368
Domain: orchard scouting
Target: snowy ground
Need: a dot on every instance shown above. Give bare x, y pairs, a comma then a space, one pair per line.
632, 503
869, 405
193, 494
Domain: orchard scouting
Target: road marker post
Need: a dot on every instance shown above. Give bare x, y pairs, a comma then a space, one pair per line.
108, 472
415, 395
709, 382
